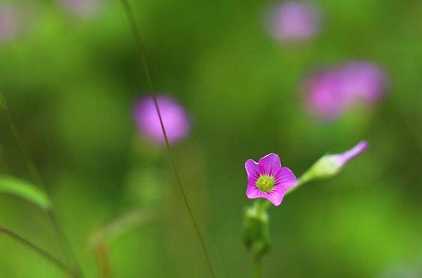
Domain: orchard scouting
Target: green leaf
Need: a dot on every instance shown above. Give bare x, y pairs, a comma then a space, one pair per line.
25, 190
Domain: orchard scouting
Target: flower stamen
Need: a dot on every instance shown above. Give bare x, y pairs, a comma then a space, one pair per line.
265, 183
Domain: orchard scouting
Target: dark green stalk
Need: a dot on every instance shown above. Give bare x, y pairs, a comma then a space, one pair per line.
37, 178
258, 268
137, 34
43, 253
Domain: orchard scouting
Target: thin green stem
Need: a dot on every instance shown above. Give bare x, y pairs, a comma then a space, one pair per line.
65, 244
136, 32
43, 253
139, 40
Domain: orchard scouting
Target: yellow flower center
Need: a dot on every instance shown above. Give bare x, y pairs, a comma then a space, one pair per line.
265, 183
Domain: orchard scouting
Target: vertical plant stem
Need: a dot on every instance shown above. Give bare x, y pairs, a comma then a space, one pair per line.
258, 268
38, 180
139, 40
103, 260
43, 253
101, 238
65, 244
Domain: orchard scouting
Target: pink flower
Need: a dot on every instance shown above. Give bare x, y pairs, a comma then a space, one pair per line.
8, 22
174, 118
324, 99
82, 8
294, 21
365, 80
267, 179
332, 92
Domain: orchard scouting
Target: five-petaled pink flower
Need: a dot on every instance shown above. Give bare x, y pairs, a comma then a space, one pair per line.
267, 179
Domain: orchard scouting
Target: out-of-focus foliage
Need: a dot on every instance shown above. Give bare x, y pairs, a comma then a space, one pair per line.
29, 192
71, 83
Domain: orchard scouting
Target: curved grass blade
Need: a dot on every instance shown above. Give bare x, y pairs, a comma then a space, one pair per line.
43, 253
24, 190
37, 177
140, 44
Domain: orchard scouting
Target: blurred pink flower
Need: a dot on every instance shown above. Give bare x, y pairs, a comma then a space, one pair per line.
367, 81
331, 92
267, 179
81, 8
8, 22
324, 99
294, 21
174, 118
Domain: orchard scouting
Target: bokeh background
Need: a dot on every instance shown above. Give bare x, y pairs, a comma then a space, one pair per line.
71, 76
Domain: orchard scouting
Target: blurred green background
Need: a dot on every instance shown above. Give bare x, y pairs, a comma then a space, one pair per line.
71, 83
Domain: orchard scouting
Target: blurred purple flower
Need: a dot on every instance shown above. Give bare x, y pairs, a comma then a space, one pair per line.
267, 179
332, 92
294, 21
365, 80
324, 98
8, 22
174, 118
81, 8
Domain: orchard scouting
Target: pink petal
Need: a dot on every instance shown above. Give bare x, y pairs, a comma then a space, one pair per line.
343, 158
252, 168
269, 164
252, 192
285, 178
275, 197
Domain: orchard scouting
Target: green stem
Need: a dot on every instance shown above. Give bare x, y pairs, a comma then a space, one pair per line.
262, 205
103, 260
258, 268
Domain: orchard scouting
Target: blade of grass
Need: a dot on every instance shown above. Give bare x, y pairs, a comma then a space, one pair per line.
37, 177
43, 253
25, 190
140, 44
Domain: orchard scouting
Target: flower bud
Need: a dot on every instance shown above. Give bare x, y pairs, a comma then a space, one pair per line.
330, 165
